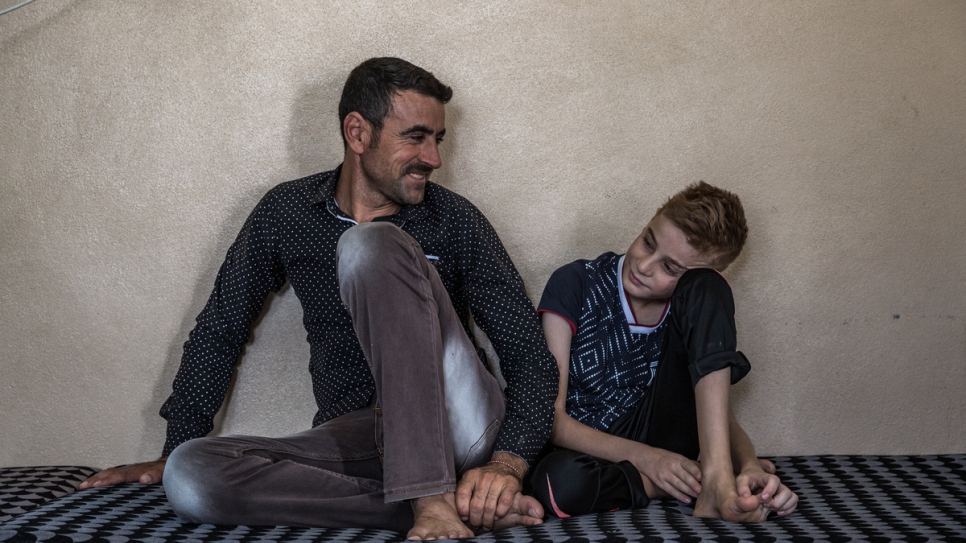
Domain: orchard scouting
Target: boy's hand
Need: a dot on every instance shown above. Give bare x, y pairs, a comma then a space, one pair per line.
775, 497
674, 474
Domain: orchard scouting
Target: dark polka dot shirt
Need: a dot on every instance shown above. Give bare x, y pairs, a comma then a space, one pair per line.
292, 235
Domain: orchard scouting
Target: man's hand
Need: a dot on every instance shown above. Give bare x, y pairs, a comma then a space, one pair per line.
146, 472
672, 473
775, 497
485, 494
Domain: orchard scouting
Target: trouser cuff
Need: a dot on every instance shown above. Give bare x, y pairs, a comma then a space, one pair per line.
419, 492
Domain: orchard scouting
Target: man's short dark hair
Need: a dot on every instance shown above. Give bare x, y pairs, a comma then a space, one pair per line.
371, 86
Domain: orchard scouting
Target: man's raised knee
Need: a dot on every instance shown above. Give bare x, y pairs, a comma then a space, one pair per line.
195, 490
367, 246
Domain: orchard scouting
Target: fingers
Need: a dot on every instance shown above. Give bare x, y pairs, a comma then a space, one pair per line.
529, 506
674, 474
767, 465
784, 502
770, 487
684, 479
678, 489
492, 490
688, 485
146, 472
525, 511
766, 484
152, 475
693, 468
504, 503
110, 476
464, 492
484, 496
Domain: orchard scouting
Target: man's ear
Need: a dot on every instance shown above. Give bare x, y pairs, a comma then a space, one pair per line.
357, 131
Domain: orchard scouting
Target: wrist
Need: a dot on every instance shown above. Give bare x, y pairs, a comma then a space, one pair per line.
511, 462
507, 465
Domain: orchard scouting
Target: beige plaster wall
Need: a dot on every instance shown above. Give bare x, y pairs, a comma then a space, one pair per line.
136, 136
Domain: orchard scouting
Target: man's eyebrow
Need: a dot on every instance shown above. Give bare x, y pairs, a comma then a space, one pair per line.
422, 129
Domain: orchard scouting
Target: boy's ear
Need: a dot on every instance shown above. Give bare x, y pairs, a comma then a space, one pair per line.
717, 263
357, 132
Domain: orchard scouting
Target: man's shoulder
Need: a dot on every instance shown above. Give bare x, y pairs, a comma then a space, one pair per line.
442, 199
307, 188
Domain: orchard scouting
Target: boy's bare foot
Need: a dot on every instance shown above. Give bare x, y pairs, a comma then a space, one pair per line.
525, 511
722, 501
436, 518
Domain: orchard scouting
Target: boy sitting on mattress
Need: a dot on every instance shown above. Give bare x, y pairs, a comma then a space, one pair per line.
646, 343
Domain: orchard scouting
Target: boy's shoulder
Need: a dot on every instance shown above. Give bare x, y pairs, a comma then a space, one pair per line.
582, 288
590, 269
585, 272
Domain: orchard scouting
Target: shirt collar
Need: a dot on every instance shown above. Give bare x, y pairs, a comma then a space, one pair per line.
326, 195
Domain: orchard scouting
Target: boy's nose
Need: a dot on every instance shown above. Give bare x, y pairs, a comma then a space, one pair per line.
644, 266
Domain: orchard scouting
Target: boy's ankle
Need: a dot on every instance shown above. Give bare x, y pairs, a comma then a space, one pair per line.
717, 478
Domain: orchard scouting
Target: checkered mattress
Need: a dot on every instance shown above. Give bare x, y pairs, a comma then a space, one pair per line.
843, 498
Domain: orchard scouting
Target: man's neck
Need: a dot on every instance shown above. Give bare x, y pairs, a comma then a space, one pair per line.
355, 198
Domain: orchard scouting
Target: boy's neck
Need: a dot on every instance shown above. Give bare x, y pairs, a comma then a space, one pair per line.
647, 312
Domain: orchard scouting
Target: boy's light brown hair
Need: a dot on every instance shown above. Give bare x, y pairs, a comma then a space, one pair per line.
712, 219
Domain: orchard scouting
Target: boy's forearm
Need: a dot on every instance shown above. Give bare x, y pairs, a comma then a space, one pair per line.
577, 436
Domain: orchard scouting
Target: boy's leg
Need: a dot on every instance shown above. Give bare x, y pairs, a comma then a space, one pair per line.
700, 339
328, 476
690, 409
569, 483
440, 408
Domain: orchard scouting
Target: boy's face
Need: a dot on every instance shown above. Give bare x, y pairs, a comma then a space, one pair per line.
657, 259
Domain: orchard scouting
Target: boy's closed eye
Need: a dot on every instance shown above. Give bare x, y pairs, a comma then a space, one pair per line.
672, 270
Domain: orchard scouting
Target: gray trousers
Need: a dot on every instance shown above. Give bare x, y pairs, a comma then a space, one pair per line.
437, 412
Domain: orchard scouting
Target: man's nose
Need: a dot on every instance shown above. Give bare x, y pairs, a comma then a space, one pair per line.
430, 154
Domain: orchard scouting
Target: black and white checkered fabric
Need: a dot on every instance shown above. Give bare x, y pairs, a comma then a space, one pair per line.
843, 498
23, 489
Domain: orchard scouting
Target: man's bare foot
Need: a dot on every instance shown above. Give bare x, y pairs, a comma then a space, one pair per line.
525, 511
723, 502
436, 518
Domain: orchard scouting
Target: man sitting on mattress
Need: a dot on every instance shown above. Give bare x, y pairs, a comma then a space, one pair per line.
413, 432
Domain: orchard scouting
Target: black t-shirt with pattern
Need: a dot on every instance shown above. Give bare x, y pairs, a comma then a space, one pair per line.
613, 358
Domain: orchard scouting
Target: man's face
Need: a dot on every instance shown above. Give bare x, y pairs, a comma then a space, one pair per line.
398, 164
657, 259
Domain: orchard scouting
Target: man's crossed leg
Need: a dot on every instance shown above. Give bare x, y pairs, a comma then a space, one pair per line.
436, 414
